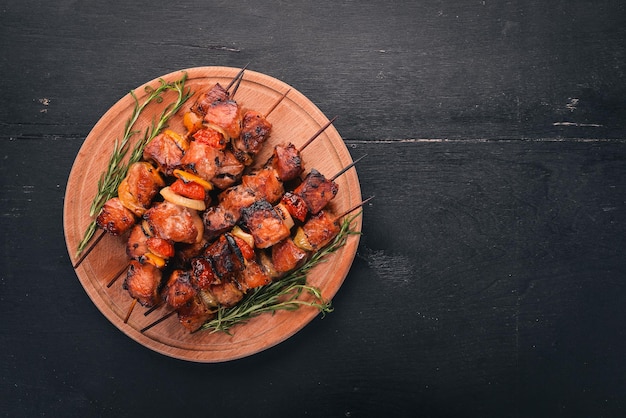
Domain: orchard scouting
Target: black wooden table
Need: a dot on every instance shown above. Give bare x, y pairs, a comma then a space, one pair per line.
490, 278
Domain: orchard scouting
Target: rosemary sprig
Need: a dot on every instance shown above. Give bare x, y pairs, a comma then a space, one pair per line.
118, 164
283, 294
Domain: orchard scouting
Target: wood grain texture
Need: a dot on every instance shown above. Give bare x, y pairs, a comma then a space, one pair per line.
489, 279
457, 70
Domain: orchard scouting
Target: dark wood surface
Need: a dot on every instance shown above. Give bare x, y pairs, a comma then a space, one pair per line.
491, 277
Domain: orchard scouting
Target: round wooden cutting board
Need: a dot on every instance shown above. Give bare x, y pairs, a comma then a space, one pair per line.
294, 120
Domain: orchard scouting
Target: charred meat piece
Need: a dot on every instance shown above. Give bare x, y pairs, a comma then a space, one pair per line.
228, 170
236, 198
217, 93
287, 162
221, 218
255, 130
175, 223
194, 313
321, 229
226, 116
137, 244
165, 152
316, 191
144, 182
264, 224
253, 276
139, 187
264, 184
227, 293
201, 159
187, 252
225, 259
142, 282
286, 256
217, 220
115, 218
178, 290
261, 185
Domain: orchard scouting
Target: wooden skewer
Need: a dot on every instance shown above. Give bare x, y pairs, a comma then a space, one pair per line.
88, 250
130, 310
231, 95
158, 321
355, 207
117, 276
322, 129
236, 81
277, 103
237, 78
152, 309
348, 167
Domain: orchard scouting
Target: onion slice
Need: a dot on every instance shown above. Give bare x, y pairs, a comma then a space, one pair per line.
177, 199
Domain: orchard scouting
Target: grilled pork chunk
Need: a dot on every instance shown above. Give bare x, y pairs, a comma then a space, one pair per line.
142, 282
139, 187
320, 229
115, 218
217, 93
165, 151
287, 162
264, 224
316, 190
194, 313
255, 130
174, 222
286, 256
225, 115
178, 290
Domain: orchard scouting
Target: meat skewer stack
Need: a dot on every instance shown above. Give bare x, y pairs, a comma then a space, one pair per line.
252, 200
215, 253
213, 123
239, 260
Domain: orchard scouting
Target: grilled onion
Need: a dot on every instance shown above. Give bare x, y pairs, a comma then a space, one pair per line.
177, 199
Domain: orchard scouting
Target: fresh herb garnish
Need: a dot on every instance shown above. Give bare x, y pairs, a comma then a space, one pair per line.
285, 293
118, 165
